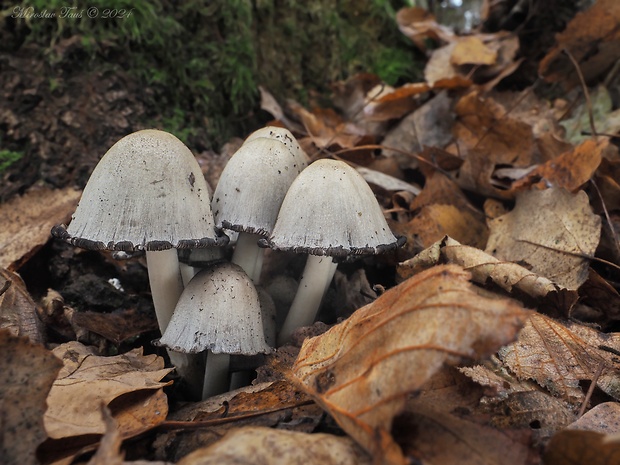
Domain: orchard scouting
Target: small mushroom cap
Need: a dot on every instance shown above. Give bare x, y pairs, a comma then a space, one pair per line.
219, 310
330, 210
147, 192
253, 184
283, 135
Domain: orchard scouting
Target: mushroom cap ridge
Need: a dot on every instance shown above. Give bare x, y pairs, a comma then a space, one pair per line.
146, 192
331, 210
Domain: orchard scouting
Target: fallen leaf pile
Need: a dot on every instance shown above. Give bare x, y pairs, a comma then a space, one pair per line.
492, 336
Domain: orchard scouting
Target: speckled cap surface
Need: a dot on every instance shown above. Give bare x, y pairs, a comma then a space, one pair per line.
147, 192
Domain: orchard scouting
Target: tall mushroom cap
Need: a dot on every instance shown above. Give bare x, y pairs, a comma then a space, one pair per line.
330, 210
147, 192
253, 184
282, 134
219, 310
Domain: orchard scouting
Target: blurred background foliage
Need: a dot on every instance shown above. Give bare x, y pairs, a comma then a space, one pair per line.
202, 61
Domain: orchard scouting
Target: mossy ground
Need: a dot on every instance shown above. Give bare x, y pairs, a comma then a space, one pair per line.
203, 60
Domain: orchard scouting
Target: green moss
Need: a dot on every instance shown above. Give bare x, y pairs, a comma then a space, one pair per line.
204, 60
8, 157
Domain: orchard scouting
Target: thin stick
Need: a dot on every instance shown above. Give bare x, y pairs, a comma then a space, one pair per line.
585, 90
607, 217
597, 375
169, 425
575, 254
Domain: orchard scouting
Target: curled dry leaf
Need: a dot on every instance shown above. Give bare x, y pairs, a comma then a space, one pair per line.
17, 309
559, 355
28, 371
550, 230
484, 268
87, 380
362, 370
278, 447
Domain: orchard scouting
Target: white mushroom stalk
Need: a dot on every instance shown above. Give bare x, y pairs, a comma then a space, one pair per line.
147, 193
218, 312
328, 212
315, 281
250, 191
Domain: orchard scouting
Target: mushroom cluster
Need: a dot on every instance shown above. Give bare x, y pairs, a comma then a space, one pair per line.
148, 193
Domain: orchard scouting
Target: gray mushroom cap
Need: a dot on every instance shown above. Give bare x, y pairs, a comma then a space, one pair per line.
147, 192
330, 210
219, 310
253, 184
282, 134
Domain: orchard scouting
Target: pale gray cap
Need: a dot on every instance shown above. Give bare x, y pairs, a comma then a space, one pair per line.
147, 192
219, 310
283, 135
331, 210
253, 184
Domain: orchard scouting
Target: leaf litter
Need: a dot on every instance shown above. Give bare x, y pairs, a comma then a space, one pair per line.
509, 202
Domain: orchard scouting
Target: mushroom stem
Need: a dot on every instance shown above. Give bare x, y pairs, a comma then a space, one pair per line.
166, 283
216, 374
187, 272
166, 287
317, 276
248, 255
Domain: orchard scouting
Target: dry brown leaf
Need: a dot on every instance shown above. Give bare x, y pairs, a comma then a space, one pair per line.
430, 125
439, 71
574, 447
116, 327
444, 438
436, 221
28, 371
438, 188
27, 221
407, 334
394, 103
17, 309
87, 380
471, 50
268, 404
571, 170
327, 129
420, 25
592, 37
278, 447
545, 230
482, 266
558, 355
602, 418
109, 451
489, 136
513, 403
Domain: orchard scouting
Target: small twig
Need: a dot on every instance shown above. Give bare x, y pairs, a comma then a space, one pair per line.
607, 217
585, 90
575, 254
169, 425
5, 286
597, 375
404, 152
